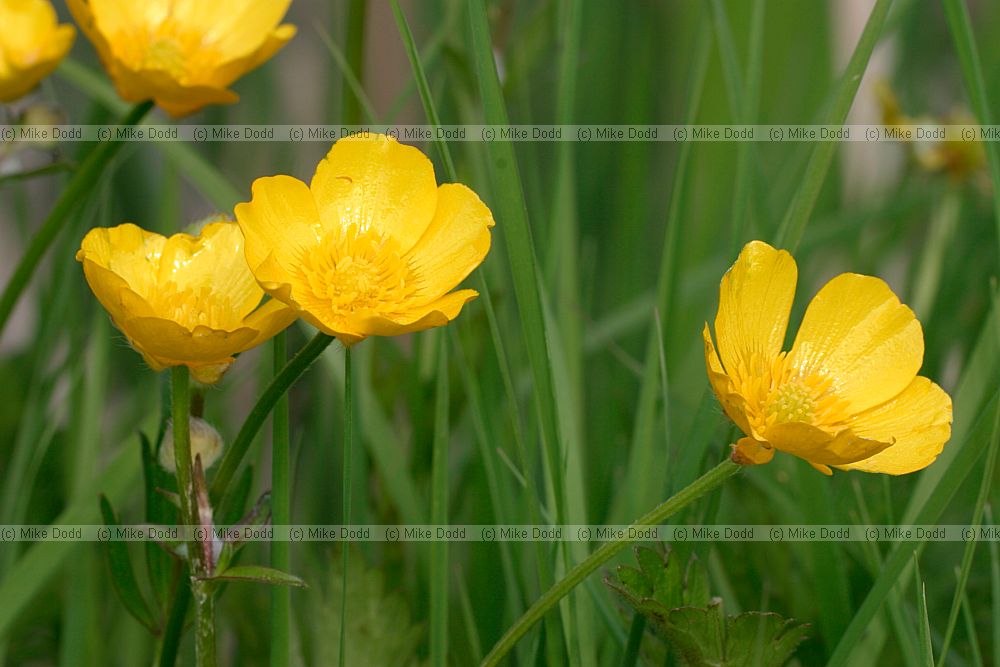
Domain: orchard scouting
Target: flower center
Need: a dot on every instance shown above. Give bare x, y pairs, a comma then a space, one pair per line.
777, 393
792, 402
165, 53
354, 271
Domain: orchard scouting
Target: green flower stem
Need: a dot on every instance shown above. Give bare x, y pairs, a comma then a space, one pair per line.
281, 559
200, 589
204, 622
707, 482
279, 385
348, 435
81, 185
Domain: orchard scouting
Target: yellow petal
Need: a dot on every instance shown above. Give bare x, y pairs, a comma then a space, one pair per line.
167, 340
31, 45
856, 333
722, 386
268, 320
437, 314
375, 182
280, 221
748, 451
235, 28
755, 298
175, 98
127, 251
819, 447
455, 242
233, 69
917, 422
212, 260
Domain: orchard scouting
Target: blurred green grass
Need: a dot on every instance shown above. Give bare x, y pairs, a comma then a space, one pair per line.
73, 395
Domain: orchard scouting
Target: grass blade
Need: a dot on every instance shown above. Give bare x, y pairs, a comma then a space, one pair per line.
926, 650
439, 513
970, 546
794, 223
960, 26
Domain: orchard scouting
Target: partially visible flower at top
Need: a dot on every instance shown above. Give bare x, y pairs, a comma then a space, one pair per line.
958, 159
372, 246
847, 395
31, 45
183, 300
182, 54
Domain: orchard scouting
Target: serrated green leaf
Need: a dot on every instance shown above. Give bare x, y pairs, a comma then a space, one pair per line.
696, 584
259, 574
635, 582
379, 629
762, 639
650, 562
122, 575
671, 591
698, 634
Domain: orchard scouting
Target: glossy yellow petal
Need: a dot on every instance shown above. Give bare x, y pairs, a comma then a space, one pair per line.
121, 302
755, 298
722, 386
280, 221
374, 182
819, 447
268, 320
127, 251
213, 260
456, 242
168, 340
917, 422
856, 333
438, 314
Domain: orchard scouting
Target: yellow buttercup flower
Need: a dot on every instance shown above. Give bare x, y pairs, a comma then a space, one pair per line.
184, 300
847, 395
183, 54
372, 246
31, 45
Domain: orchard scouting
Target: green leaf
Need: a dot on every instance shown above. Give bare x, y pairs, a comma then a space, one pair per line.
379, 628
159, 511
694, 624
696, 584
258, 574
762, 638
698, 634
122, 574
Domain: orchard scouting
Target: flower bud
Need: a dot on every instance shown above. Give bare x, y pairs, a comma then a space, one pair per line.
205, 442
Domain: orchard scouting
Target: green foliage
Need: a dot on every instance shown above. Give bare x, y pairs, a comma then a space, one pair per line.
676, 604
379, 626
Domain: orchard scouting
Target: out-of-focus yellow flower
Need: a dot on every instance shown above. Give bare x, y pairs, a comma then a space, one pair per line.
372, 247
959, 159
31, 45
184, 300
183, 54
847, 395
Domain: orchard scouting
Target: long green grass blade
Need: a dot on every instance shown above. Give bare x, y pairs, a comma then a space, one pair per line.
960, 25
794, 223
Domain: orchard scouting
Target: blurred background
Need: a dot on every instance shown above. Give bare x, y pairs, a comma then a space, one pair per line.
636, 418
